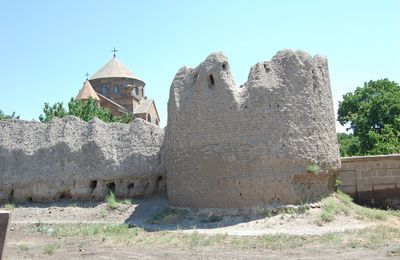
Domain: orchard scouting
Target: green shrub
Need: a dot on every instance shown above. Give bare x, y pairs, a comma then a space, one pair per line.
4, 117
86, 110
313, 168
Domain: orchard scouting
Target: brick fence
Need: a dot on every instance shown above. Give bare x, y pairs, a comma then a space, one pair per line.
372, 180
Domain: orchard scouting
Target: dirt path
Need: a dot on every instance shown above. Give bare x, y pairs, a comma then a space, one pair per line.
26, 243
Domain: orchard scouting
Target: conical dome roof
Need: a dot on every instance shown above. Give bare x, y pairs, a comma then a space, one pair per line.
114, 69
86, 92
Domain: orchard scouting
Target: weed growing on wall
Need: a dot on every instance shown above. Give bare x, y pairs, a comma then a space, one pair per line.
313, 168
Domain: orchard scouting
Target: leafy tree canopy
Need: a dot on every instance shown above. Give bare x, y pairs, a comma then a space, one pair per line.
86, 110
373, 112
12, 116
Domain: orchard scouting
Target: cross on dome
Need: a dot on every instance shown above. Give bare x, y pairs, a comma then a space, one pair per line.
114, 50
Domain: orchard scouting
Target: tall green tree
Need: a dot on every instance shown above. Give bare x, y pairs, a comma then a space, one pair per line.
373, 112
86, 110
51, 111
349, 144
3, 116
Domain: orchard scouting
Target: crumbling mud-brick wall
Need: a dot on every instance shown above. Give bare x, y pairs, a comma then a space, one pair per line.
69, 158
372, 180
247, 146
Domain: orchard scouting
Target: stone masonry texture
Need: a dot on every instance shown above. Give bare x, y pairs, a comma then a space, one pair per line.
248, 146
372, 180
69, 158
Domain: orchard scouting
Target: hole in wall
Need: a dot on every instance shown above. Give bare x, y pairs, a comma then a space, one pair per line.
30, 199
211, 81
65, 195
111, 186
224, 66
195, 78
266, 68
314, 75
130, 186
240, 194
159, 179
93, 185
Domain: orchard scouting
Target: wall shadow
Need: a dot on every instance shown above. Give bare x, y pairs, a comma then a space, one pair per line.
173, 219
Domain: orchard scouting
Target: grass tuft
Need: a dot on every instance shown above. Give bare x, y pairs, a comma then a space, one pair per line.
111, 201
313, 168
9, 205
127, 202
50, 248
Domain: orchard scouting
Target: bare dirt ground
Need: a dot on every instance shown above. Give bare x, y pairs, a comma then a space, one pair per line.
82, 230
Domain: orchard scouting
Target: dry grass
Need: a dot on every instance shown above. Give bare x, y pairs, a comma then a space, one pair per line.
121, 234
167, 216
341, 203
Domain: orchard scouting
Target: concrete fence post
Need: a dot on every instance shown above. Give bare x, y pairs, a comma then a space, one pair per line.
4, 227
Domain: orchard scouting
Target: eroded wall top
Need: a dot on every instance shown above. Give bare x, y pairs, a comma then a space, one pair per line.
73, 159
270, 129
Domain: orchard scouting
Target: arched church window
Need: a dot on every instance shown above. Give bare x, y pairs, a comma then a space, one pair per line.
104, 89
123, 89
137, 91
116, 89
148, 118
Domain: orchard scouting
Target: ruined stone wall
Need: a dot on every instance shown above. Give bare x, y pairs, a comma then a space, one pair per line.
246, 146
69, 158
372, 180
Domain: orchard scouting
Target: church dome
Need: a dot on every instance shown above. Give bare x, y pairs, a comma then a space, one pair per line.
114, 69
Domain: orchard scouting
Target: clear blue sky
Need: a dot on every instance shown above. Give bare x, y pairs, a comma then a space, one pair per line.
47, 46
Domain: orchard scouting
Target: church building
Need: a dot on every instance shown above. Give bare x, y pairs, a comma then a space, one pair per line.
121, 91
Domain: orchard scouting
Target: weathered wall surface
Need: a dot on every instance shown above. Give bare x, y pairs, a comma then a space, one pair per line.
372, 180
69, 158
241, 147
